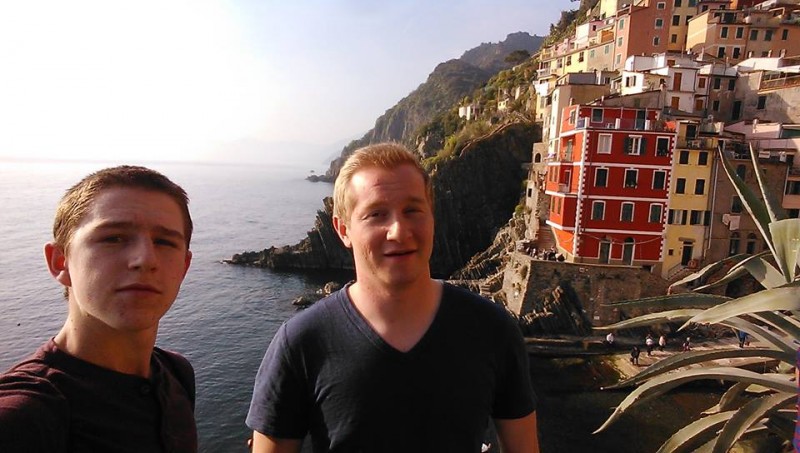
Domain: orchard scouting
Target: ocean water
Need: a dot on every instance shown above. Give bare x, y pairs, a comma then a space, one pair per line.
224, 316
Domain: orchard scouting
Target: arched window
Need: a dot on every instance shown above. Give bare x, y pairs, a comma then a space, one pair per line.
537, 158
750, 247
627, 251
733, 249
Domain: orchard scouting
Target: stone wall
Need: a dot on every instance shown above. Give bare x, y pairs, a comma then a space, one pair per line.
579, 291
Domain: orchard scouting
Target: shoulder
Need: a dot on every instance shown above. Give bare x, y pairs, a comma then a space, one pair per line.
467, 303
324, 315
31, 406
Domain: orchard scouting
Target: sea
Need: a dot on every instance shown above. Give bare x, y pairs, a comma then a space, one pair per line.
224, 316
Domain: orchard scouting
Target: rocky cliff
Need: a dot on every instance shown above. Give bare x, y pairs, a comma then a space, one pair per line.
446, 86
475, 193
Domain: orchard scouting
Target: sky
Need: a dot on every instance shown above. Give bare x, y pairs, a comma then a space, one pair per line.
225, 80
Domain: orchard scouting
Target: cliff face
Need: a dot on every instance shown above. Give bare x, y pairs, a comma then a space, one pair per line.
475, 194
447, 85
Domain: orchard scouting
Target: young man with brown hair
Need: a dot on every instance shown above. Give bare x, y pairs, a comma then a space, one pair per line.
121, 251
396, 361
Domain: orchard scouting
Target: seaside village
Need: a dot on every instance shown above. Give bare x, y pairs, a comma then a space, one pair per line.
633, 107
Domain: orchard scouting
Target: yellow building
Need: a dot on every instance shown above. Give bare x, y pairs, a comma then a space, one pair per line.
689, 216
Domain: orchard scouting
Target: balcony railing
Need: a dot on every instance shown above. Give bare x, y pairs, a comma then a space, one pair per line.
781, 81
623, 124
696, 143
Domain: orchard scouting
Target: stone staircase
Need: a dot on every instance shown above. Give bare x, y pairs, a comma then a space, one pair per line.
544, 237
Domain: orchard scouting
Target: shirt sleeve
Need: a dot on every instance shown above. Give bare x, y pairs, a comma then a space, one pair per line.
33, 415
279, 405
514, 396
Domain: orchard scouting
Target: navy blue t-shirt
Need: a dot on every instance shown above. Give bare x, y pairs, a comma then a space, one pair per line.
329, 373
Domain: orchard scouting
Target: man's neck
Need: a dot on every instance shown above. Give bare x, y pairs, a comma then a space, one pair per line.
121, 352
400, 315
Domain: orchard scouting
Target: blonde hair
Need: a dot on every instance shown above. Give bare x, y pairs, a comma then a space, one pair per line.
77, 201
381, 155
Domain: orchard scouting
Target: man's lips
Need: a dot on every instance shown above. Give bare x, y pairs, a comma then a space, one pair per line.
139, 287
399, 253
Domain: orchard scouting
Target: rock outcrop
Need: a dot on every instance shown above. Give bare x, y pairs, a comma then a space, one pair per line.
475, 193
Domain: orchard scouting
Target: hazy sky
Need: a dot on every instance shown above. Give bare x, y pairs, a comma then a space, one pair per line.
199, 80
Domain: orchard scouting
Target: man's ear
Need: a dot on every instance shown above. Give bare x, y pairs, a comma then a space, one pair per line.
186, 262
341, 229
56, 260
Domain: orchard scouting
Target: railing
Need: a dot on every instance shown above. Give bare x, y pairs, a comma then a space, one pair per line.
623, 124
696, 143
544, 72
780, 82
564, 188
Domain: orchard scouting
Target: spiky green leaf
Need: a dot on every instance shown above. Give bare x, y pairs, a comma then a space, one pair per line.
785, 323
689, 358
786, 237
764, 272
732, 275
687, 438
752, 203
668, 301
653, 318
772, 205
784, 298
708, 270
748, 415
666, 382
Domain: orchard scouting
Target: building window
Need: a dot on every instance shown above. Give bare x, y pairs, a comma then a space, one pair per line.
785, 34
619, 42
659, 179
750, 246
626, 215
659, 23
677, 216
733, 248
762, 102
736, 52
753, 35
739, 32
700, 187
621, 24
723, 33
702, 158
715, 106
634, 145
597, 115
661, 5
741, 171
598, 210
736, 205
676, 20
680, 185
701, 82
656, 212
607, 49
631, 177
767, 35
656, 40
683, 157
662, 146
591, 54
604, 143
688, 18
717, 83
673, 39
721, 52
677, 3
601, 177
618, 59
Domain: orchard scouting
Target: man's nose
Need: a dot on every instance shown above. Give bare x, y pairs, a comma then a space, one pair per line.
398, 229
143, 254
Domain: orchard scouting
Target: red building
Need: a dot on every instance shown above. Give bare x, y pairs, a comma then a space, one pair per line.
609, 185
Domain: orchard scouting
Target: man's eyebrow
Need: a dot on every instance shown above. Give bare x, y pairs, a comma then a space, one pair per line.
160, 229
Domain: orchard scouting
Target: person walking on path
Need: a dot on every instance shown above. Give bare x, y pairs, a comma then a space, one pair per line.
610, 340
635, 355
662, 342
743, 339
650, 343
687, 345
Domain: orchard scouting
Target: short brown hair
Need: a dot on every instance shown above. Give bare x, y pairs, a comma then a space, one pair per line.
79, 198
381, 155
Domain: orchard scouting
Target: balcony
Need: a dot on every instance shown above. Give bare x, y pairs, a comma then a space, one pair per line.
778, 81
564, 188
620, 124
544, 72
696, 143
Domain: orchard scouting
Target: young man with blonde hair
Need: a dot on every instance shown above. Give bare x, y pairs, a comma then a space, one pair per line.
396, 361
121, 250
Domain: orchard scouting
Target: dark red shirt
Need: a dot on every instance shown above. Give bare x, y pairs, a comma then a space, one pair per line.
55, 402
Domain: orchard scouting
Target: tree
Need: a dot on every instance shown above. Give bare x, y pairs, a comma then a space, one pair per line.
518, 56
771, 315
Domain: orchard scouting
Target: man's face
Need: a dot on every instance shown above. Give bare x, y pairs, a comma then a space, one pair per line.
391, 226
125, 262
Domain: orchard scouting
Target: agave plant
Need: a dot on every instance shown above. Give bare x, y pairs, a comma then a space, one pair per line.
771, 315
